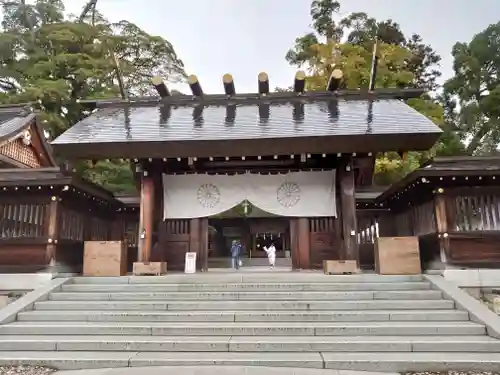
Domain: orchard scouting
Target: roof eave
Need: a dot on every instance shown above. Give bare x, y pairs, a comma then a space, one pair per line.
45, 144
28, 120
422, 173
250, 147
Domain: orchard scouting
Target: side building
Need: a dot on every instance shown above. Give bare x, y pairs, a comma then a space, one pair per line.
47, 213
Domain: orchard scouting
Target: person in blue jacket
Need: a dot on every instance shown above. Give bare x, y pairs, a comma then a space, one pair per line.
235, 254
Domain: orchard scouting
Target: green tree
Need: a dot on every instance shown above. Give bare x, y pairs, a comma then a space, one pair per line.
472, 95
355, 62
360, 29
115, 175
54, 62
348, 44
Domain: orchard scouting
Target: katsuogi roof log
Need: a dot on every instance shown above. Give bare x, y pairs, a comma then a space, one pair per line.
231, 124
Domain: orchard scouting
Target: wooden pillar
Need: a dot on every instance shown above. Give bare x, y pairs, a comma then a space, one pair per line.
246, 238
304, 242
198, 241
194, 240
294, 248
146, 219
348, 206
204, 244
300, 243
440, 213
52, 231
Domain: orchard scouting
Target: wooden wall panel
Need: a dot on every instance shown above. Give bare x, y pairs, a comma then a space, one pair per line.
429, 250
22, 218
16, 255
325, 240
70, 255
275, 225
366, 256
173, 243
474, 249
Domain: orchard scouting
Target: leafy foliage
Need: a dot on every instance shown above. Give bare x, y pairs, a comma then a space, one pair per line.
54, 62
359, 29
355, 62
110, 174
472, 95
403, 61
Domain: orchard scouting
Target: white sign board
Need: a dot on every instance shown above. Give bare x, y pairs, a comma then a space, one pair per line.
190, 263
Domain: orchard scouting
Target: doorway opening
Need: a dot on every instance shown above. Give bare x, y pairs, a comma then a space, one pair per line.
255, 230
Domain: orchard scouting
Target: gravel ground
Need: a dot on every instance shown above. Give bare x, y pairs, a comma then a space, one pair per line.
452, 373
25, 370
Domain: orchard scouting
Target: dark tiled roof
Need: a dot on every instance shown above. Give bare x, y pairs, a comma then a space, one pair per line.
26, 176
13, 120
284, 120
460, 169
51, 176
463, 164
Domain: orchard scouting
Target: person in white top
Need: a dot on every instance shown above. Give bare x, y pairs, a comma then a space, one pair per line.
271, 254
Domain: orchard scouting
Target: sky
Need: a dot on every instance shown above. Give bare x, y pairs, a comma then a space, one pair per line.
245, 37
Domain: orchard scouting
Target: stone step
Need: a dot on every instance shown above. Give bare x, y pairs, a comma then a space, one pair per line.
245, 329
216, 370
261, 287
225, 262
241, 277
250, 296
246, 305
242, 316
374, 361
403, 362
252, 343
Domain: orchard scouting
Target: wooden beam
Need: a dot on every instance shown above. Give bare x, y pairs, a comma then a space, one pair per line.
238, 146
248, 163
146, 218
348, 207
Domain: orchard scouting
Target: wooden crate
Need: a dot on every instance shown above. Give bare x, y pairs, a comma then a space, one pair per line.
151, 268
105, 258
397, 256
336, 267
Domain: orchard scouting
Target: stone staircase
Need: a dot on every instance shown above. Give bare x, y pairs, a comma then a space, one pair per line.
355, 322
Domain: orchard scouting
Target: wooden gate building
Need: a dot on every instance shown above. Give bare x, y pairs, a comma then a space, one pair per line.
263, 133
